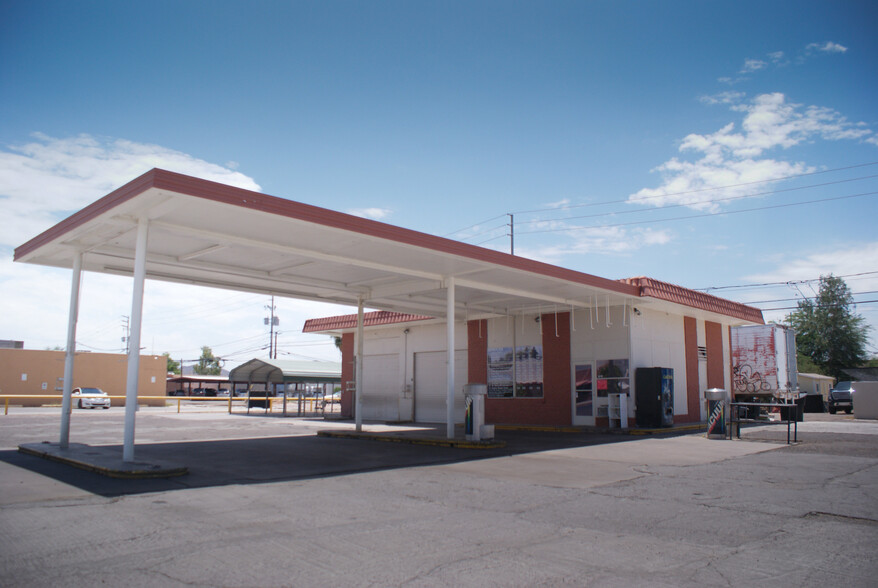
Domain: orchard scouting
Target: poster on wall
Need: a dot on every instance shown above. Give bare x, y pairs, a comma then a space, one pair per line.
612, 377
529, 371
500, 372
583, 390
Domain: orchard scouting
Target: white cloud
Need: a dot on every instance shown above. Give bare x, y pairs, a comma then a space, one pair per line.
599, 240
373, 213
776, 57
751, 65
846, 262
723, 98
47, 179
731, 158
827, 47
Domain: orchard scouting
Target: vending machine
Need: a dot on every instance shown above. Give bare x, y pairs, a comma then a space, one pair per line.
654, 397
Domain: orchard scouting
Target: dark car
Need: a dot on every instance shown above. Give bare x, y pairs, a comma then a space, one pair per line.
840, 398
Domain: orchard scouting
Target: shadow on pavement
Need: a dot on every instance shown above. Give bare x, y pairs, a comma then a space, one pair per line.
278, 459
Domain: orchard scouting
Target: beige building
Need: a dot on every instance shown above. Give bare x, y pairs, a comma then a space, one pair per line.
816, 384
40, 374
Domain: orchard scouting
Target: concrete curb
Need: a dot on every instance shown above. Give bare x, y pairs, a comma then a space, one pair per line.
435, 442
105, 461
694, 427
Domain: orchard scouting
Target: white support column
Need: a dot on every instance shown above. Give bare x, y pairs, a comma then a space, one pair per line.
449, 354
134, 339
358, 377
72, 318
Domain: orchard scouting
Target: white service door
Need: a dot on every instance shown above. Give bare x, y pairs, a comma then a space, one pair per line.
381, 387
430, 386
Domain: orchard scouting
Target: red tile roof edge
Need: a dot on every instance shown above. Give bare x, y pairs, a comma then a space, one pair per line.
370, 319
679, 295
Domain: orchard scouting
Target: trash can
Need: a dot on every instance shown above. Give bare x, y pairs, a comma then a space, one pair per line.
474, 423
793, 412
718, 401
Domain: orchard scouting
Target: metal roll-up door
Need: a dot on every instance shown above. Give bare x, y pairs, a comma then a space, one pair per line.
430, 386
381, 387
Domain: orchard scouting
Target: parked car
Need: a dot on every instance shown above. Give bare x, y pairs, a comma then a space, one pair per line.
90, 398
334, 398
840, 397
222, 392
204, 392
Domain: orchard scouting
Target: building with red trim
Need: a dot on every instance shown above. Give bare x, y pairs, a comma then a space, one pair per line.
556, 368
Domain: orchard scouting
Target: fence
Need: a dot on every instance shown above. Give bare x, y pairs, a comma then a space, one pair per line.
290, 406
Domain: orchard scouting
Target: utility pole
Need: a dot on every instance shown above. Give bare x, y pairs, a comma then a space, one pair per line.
272, 321
511, 233
126, 333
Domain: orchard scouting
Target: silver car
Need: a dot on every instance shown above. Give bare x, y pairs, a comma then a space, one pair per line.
90, 398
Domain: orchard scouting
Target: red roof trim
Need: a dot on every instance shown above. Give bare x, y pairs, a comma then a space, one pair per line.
217, 192
686, 297
370, 319
93, 210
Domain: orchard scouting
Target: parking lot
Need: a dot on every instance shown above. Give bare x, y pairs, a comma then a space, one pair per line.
268, 503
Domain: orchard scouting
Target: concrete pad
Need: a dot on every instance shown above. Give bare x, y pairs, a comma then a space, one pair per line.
106, 461
412, 439
673, 451
597, 465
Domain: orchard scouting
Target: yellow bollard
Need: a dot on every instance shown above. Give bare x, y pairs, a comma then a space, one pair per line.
6, 410
178, 405
230, 400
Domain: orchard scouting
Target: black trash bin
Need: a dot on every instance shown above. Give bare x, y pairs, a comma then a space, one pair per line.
793, 412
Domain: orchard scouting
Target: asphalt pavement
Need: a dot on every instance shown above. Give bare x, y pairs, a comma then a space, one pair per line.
269, 503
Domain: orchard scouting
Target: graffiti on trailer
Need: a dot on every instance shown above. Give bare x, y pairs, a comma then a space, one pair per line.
745, 380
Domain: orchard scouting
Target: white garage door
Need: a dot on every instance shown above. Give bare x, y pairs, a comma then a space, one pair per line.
381, 387
430, 387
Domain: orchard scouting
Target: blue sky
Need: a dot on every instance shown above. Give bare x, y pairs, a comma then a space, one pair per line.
604, 117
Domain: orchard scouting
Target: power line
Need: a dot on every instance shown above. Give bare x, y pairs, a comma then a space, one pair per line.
809, 298
784, 283
820, 306
712, 201
694, 216
474, 225
826, 171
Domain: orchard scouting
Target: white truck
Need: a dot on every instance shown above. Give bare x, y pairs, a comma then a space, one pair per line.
763, 361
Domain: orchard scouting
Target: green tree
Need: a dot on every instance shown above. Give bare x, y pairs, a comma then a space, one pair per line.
173, 366
828, 330
208, 364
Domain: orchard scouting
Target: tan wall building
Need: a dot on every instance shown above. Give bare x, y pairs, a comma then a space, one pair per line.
31, 372
816, 384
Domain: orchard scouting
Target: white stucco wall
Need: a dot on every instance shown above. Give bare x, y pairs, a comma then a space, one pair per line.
657, 340
393, 340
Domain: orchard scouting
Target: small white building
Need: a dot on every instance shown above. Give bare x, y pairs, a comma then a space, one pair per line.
554, 367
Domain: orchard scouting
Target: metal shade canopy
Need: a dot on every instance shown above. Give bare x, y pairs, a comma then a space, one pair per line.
211, 234
276, 371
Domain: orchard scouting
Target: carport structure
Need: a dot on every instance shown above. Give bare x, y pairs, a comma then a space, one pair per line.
171, 227
286, 371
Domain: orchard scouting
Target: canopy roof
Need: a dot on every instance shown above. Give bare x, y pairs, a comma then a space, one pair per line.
280, 371
211, 234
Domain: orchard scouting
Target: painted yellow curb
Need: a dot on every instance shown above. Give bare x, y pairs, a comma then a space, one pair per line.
457, 444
